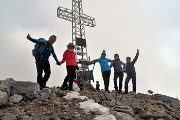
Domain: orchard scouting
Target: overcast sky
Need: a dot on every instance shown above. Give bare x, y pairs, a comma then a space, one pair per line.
152, 26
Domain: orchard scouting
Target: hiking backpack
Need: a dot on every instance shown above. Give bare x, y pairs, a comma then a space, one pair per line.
41, 48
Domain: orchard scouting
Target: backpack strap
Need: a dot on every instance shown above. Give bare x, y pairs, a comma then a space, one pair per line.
40, 47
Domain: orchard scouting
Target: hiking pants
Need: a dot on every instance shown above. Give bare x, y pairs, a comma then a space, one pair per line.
106, 77
43, 66
116, 75
133, 77
70, 76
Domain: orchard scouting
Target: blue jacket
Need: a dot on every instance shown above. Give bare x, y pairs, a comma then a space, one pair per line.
103, 63
46, 56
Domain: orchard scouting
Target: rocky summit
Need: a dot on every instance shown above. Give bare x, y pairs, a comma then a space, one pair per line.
22, 100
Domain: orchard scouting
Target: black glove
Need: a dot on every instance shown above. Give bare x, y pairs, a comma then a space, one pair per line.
58, 63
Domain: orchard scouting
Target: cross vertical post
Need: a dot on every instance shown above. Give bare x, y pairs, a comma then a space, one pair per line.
79, 21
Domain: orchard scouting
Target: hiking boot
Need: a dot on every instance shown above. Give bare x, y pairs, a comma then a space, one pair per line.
107, 91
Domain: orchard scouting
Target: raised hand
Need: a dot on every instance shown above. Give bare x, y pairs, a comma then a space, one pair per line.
137, 50
28, 37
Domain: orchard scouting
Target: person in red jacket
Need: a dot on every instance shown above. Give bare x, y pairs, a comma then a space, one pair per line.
71, 65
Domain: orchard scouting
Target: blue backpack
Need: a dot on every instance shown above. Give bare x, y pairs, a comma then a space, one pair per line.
40, 48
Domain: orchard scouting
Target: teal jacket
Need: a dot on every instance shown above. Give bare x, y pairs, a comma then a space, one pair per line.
103, 63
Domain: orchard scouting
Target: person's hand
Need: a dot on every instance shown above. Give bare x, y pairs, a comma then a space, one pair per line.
28, 37
137, 50
58, 63
77, 68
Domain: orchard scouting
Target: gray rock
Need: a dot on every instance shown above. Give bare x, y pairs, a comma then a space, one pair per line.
28, 90
15, 98
54, 89
5, 85
122, 116
108, 96
44, 94
8, 116
174, 101
112, 103
124, 109
3, 98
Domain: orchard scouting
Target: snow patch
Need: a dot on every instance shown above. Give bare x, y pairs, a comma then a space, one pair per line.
105, 117
91, 106
75, 95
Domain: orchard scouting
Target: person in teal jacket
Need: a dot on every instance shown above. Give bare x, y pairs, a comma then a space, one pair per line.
105, 69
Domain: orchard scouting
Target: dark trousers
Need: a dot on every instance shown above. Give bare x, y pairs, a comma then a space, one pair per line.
106, 77
43, 66
133, 77
116, 75
70, 76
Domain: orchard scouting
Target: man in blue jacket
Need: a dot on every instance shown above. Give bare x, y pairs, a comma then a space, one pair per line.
41, 54
105, 69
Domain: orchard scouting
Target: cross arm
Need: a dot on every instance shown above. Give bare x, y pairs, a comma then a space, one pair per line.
67, 14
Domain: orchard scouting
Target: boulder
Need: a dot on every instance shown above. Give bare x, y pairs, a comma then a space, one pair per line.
3, 98
28, 90
15, 98
43, 94
5, 85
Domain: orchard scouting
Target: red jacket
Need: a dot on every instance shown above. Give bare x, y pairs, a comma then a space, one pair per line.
69, 57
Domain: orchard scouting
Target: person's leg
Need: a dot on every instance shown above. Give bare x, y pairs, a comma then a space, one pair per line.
39, 72
104, 79
108, 78
126, 83
47, 71
115, 80
120, 81
66, 78
134, 83
72, 74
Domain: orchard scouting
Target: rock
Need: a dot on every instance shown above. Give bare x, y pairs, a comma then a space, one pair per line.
173, 101
108, 96
15, 98
122, 116
54, 89
5, 85
8, 116
28, 90
44, 94
3, 98
124, 109
112, 103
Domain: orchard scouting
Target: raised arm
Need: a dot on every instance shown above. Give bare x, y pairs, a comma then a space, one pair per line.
136, 57
33, 40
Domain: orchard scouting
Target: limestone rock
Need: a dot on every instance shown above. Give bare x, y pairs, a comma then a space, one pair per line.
44, 94
3, 98
26, 89
122, 116
5, 85
15, 98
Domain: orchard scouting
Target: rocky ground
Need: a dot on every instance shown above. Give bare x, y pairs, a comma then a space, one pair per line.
24, 101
